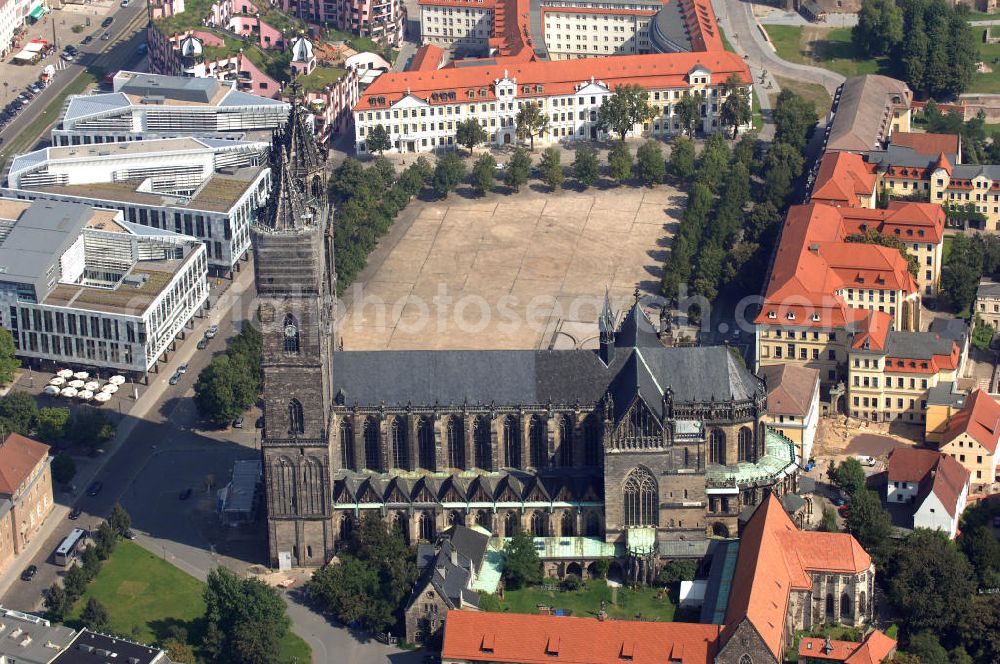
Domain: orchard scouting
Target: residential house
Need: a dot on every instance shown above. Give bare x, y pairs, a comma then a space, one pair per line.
793, 403
931, 485
25, 493
29, 639
943, 401
874, 648
971, 438
988, 303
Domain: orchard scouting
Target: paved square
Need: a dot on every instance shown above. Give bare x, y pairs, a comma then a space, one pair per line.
524, 270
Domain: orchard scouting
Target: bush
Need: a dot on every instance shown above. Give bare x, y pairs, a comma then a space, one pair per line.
63, 469
572, 582
676, 571
601, 568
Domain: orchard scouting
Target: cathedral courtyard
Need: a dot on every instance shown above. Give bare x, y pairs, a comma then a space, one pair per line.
509, 271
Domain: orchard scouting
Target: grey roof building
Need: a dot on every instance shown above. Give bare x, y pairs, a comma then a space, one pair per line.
868, 110
95, 648
29, 639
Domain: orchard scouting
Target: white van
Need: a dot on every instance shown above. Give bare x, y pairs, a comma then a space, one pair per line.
866, 460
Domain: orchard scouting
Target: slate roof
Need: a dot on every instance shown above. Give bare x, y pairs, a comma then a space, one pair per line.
988, 288
917, 345
789, 388
451, 564
864, 112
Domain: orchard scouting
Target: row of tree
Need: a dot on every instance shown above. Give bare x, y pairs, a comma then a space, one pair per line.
930, 580
19, 413
367, 201
232, 381
736, 200
930, 42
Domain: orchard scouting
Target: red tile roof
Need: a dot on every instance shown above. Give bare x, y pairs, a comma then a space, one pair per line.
775, 558
427, 58
557, 77
934, 473
790, 388
18, 457
873, 332
531, 639
843, 178
926, 144
908, 220
875, 649
980, 418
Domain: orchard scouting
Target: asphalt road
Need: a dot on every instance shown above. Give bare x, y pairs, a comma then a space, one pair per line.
119, 52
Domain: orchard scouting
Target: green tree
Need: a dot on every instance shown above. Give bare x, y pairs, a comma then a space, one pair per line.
983, 552
91, 428
586, 168
829, 522
8, 363
551, 168
373, 579
870, 524
736, 110
469, 133
224, 390
448, 174
91, 562
531, 121
63, 468
106, 539
56, 602
676, 571
120, 520
516, 173
484, 177
522, 566
927, 646
620, 162
19, 412
488, 602
179, 651
95, 616
682, 158
75, 582
687, 111
850, 476
879, 28
793, 117
982, 334
378, 140
650, 166
249, 615
783, 165
52, 423
930, 582
625, 108
977, 628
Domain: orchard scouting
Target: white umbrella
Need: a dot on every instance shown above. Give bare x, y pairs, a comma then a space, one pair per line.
92, 385
85, 395
102, 397
116, 380
51, 390
110, 388
68, 392
81, 375
58, 381
76, 383
65, 373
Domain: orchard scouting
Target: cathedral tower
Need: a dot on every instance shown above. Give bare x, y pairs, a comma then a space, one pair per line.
293, 270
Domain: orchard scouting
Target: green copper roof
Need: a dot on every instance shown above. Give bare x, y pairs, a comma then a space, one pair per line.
779, 454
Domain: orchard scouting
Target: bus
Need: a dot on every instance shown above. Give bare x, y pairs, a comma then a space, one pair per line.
68, 549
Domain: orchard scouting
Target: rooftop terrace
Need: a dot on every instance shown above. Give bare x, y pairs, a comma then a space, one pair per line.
122, 300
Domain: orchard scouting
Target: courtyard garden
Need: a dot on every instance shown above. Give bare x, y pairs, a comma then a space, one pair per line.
150, 600
645, 603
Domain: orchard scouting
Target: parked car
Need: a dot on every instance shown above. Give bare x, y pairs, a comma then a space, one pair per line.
125, 3
211, 331
107, 22
259, 424
29, 573
185, 494
183, 369
87, 40
202, 343
843, 510
176, 378
838, 501
106, 36
238, 422
130, 534
75, 514
865, 460
95, 488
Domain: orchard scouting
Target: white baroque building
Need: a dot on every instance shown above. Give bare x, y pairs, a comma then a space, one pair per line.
81, 286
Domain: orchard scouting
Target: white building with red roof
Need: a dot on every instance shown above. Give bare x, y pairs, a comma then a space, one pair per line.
933, 487
971, 438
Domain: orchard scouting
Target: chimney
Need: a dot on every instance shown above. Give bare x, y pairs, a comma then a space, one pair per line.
454, 557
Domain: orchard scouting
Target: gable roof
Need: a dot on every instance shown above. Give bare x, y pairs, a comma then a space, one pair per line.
790, 388
980, 419
18, 457
926, 143
874, 649
843, 177
774, 558
864, 114
531, 639
933, 471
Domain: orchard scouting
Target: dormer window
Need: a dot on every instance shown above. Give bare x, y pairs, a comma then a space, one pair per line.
815, 318
771, 314
790, 315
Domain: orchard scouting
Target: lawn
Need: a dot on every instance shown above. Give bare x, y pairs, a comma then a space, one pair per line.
647, 603
990, 56
829, 48
145, 596
813, 92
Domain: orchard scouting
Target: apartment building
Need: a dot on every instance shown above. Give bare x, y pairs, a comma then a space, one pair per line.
890, 373
144, 106
460, 25
845, 179
932, 487
868, 110
988, 303
25, 493
972, 437
81, 286
380, 20
793, 404
421, 108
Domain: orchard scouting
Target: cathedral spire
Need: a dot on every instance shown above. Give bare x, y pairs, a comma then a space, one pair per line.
306, 159
286, 210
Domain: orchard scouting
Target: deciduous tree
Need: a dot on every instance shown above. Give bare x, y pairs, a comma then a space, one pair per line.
8, 363
650, 166
95, 615
378, 140
63, 468
682, 158
687, 111
469, 133
484, 177
516, 173
586, 168
879, 28
56, 602
522, 566
736, 111
551, 168
120, 520
249, 615
448, 174
620, 162
52, 423
625, 108
531, 121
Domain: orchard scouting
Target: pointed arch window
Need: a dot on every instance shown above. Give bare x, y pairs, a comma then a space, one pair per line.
346, 444
747, 448
640, 499
481, 438
426, 527
510, 524
536, 439
425, 443
296, 420
592, 442
717, 447
400, 444
371, 444
568, 525
456, 442
290, 330
566, 441
511, 442
539, 524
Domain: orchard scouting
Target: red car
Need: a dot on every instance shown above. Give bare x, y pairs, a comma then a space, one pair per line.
843, 510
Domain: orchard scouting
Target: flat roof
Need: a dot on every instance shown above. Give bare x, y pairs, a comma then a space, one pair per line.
95, 648
29, 639
124, 299
42, 233
129, 147
175, 88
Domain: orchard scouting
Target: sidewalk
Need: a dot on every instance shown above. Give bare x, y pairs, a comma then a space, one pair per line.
90, 467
